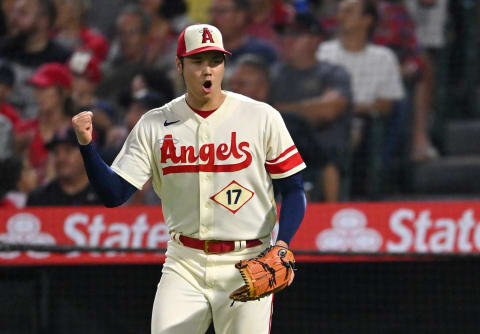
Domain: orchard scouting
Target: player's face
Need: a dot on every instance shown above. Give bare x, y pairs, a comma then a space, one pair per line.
203, 75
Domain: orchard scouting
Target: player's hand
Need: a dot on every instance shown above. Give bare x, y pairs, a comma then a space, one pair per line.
83, 126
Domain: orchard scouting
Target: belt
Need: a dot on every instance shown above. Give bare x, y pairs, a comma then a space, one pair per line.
217, 246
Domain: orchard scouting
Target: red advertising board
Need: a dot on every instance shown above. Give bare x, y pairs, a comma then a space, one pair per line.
391, 228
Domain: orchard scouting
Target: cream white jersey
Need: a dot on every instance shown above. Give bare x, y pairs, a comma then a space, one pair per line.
213, 175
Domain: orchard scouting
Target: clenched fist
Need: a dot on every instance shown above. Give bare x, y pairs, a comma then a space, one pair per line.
82, 124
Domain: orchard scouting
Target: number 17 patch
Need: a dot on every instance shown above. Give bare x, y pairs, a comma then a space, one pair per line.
233, 196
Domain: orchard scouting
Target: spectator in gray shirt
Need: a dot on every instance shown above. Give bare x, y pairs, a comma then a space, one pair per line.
320, 93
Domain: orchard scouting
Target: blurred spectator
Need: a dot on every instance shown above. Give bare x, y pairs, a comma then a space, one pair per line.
251, 77
321, 94
72, 32
86, 74
52, 84
152, 79
7, 80
142, 102
70, 187
10, 118
168, 19
17, 180
265, 16
104, 128
28, 45
396, 30
231, 18
6, 137
374, 70
3, 18
10, 172
430, 19
127, 53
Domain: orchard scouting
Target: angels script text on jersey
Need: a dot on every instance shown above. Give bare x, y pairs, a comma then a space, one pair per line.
208, 153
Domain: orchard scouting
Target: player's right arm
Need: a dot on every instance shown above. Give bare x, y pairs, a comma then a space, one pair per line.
110, 187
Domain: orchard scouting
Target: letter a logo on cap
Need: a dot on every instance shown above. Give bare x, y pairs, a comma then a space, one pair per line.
207, 36
199, 38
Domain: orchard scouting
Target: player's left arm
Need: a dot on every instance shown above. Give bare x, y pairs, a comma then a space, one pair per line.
293, 207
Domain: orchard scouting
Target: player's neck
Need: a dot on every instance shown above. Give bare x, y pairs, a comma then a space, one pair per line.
212, 103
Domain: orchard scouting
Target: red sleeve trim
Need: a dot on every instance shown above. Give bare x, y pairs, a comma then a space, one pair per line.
286, 165
288, 150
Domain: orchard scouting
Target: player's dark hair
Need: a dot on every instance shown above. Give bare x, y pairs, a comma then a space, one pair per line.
369, 8
47, 8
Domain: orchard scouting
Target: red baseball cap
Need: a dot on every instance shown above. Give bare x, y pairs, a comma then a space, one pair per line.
52, 74
85, 64
200, 38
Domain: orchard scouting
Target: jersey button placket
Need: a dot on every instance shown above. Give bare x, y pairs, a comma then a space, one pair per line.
206, 188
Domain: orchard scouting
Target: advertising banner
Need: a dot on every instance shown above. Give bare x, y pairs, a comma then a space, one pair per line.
390, 228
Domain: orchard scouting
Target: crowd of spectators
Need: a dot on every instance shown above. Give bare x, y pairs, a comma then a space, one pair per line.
332, 68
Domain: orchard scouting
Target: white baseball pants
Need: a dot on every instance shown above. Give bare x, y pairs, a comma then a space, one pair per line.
195, 288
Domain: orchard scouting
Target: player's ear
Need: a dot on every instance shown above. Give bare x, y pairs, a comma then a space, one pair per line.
179, 64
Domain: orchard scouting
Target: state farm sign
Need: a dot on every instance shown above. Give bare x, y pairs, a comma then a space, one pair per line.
87, 230
418, 232
433, 227
139, 227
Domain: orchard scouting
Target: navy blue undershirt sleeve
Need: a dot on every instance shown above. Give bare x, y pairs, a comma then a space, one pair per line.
293, 208
112, 189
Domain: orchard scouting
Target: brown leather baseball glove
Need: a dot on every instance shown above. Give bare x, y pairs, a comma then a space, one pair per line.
269, 272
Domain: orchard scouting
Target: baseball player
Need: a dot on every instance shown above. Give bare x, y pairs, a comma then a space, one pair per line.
213, 157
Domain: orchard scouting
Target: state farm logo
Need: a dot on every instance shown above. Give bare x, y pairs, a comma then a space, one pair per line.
349, 232
25, 228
